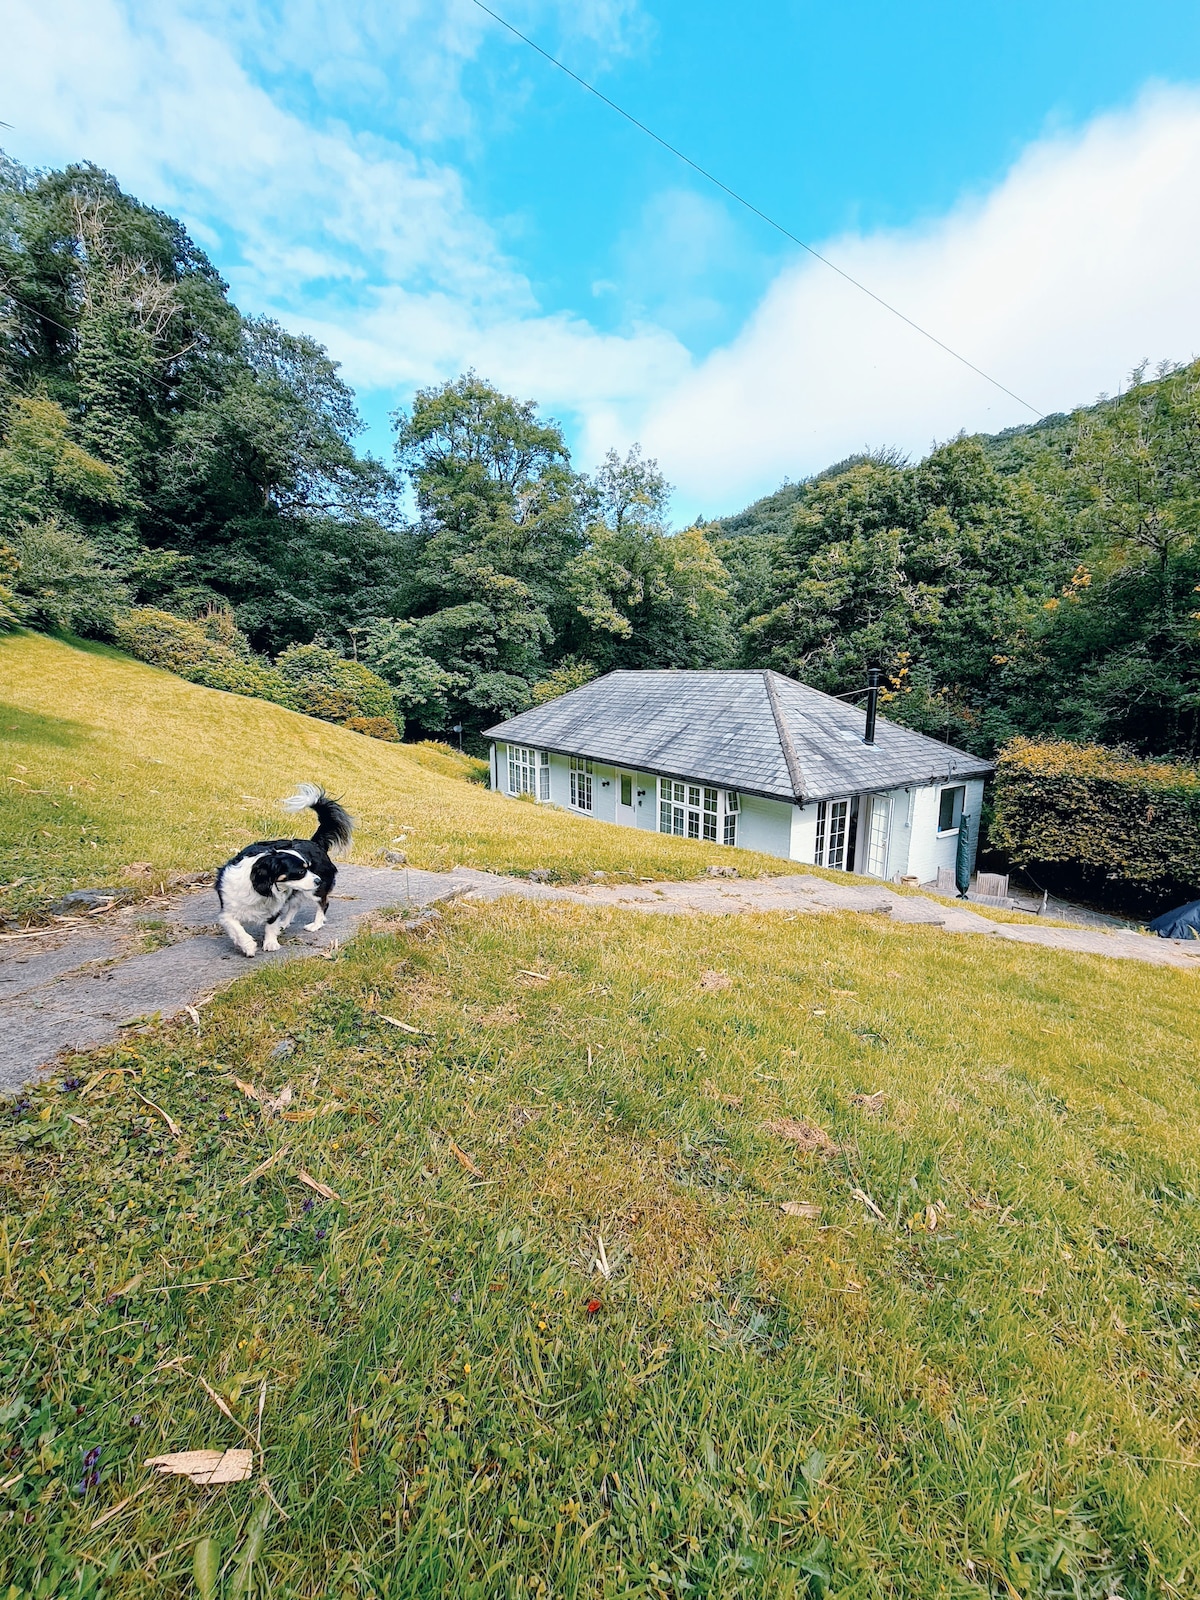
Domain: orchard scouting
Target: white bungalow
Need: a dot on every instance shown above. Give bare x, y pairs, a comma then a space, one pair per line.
750, 759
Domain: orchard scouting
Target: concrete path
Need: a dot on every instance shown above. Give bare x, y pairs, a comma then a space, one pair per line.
79, 986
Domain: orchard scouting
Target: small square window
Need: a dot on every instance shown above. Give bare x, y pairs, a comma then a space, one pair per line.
950, 808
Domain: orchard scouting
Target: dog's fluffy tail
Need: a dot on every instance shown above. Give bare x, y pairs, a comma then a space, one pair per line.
334, 825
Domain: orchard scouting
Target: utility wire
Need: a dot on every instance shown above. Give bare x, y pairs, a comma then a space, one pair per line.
44, 316
750, 206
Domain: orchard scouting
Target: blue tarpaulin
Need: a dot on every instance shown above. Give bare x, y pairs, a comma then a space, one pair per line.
1182, 923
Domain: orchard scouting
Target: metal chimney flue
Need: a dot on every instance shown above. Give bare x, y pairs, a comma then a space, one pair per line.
872, 704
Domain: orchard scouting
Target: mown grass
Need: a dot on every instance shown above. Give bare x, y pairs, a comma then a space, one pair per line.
981, 1383
108, 763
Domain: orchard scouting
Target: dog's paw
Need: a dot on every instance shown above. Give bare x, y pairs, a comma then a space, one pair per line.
270, 947
317, 922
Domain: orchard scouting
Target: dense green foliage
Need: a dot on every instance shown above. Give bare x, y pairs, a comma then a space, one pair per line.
1041, 582
1111, 821
159, 449
309, 678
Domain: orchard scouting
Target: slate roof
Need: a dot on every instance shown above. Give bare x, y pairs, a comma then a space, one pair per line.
755, 731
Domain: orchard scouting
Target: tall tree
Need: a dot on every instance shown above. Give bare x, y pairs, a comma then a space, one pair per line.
646, 598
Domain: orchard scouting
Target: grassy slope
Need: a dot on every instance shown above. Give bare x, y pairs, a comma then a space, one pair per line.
760, 1405
1009, 1399
107, 762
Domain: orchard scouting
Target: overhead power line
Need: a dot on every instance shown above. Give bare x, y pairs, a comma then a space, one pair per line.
751, 207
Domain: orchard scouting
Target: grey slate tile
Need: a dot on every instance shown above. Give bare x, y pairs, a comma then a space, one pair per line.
720, 728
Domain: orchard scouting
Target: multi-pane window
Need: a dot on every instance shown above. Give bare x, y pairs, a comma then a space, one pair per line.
733, 806
692, 810
522, 770
581, 783
710, 814
544, 775
878, 834
672, 806
950, 808
833, 820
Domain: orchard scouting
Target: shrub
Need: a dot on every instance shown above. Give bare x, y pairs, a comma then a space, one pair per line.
308, 678
375, 728
62, 581
361, 691
1114, 818
320, 700
186, 649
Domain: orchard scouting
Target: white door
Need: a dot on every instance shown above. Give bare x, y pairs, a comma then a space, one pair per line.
878, 833
833, 823
627, 799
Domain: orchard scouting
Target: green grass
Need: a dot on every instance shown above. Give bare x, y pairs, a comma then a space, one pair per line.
760, 1405
106, 762
974, 1374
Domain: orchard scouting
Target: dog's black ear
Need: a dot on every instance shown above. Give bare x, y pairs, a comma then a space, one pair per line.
263, 872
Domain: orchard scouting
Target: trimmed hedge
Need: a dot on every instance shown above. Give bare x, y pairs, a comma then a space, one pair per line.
1109, 815
307, 678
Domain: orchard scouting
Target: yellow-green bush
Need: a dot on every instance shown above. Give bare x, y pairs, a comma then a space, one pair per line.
308, 678
374, 728
1108, 814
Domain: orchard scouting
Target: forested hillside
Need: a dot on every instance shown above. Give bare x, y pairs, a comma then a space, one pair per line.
1039, 581
159, 449
163, 456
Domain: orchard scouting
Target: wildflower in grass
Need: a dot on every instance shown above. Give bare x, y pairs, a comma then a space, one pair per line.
308, 1205
592, 1307
91, 1471
19, 1107
69, 1085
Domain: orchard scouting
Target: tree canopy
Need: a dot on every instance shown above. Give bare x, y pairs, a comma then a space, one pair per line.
163, 454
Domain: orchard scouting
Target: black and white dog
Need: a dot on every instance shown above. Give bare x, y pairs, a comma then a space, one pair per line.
273, 881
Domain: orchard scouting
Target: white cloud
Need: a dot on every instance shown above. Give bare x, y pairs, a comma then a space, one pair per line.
1081, 263
1077, 265
349, 235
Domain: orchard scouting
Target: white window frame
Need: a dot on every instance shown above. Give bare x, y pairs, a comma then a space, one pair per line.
544, 775
522, 769
672, 807
708, 816
729, 822
879, 835
833, 835
581, 783
949, 788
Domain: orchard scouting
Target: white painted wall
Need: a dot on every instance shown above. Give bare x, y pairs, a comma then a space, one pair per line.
774, 827
930, 849
803, 846
765, 825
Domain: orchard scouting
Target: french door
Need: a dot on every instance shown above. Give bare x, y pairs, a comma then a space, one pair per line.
833, 826
878, 833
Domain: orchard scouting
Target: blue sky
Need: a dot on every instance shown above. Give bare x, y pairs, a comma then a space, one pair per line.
423, 193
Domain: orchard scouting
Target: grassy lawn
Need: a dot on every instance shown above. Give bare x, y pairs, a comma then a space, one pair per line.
900, 1291
974, 1373
106, 762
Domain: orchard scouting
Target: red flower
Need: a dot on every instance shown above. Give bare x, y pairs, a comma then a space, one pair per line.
592, 1307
